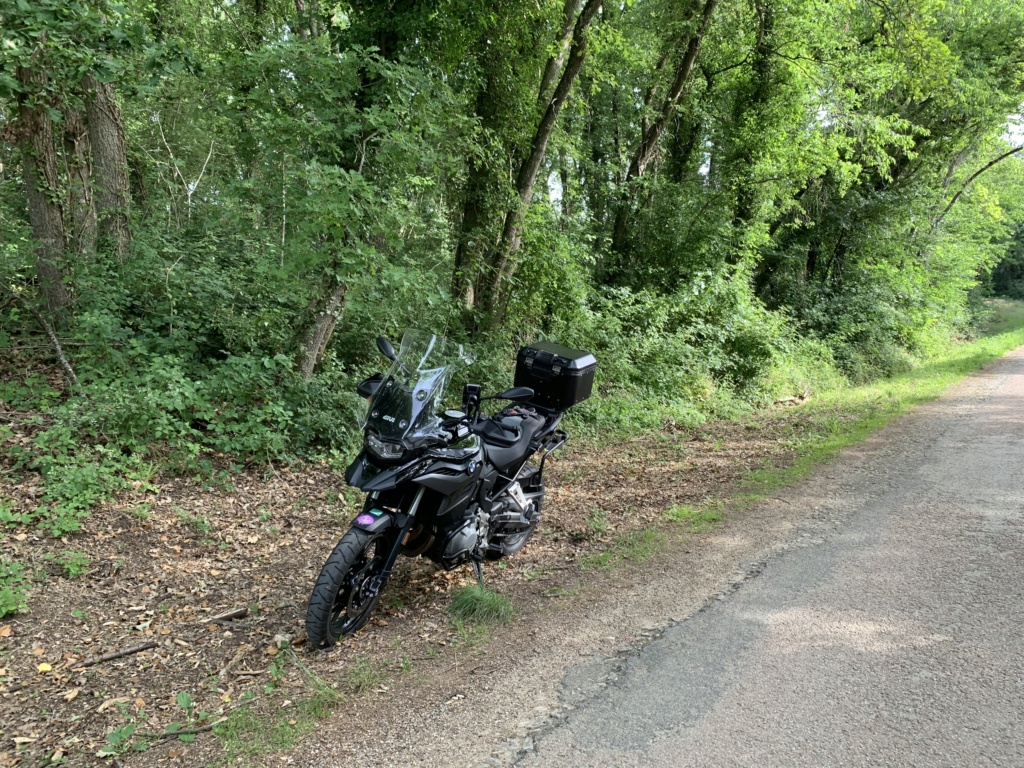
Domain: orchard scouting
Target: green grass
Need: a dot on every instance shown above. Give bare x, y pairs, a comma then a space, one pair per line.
247, 734
469, 634
696, 519
635, 546
597, 522
481, 605
363, 677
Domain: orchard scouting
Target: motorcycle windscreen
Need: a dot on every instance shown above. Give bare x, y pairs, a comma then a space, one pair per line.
406, 402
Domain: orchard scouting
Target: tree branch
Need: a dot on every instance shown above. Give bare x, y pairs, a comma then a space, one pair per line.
971, 178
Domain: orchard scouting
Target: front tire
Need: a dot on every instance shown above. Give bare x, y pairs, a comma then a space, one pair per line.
347, 589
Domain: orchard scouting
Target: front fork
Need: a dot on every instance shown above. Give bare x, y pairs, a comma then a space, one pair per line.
403, 522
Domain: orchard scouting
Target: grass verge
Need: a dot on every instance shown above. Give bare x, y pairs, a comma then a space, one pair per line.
840, 417
696, 519
247, 733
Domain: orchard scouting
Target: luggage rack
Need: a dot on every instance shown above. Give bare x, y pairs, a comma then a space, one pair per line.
551, 442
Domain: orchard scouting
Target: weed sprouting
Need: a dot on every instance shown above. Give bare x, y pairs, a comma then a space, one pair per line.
364, 677
73, 564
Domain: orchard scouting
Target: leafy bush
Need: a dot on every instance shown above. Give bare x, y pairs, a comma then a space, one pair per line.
72, 564
12, 587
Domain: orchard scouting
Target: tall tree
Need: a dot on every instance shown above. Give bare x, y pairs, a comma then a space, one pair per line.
78, 171
501, 264
42, 187
110, 164
648, 147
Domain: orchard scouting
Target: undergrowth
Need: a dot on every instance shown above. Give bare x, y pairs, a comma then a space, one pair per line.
12, 587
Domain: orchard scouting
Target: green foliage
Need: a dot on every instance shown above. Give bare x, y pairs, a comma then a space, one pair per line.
822, 208
120, 740
12, 587
72, 564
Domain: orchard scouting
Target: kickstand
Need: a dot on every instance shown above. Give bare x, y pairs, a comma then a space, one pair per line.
479, 572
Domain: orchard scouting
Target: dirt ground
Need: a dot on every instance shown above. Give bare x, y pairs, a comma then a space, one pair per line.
212, 583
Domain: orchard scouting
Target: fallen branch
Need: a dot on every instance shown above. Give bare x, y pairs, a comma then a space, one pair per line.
192, 731
91, 662
236, 613
243, 649
57, 348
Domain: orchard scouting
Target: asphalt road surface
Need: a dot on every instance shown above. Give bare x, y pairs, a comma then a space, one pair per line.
892, 636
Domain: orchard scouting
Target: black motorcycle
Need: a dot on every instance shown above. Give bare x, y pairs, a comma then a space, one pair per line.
456, 487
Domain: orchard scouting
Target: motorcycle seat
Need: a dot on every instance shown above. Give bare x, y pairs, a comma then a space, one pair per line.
507, 440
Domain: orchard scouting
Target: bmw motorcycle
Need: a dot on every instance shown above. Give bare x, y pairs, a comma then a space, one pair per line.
456, 487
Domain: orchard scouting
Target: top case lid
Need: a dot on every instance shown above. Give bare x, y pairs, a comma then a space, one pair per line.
555, 355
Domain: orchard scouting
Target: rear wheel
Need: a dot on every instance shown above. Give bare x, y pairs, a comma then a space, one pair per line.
347, 589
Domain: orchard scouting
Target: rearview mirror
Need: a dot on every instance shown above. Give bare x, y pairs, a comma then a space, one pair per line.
386, 349
518, 394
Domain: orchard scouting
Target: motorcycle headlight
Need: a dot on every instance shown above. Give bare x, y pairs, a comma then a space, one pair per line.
382, 449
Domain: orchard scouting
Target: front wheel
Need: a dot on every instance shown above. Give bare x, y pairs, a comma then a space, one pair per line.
347, 589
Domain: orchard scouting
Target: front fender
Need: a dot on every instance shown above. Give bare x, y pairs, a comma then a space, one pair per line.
374, 521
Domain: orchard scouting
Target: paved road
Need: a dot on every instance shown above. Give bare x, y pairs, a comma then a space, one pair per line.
893, 638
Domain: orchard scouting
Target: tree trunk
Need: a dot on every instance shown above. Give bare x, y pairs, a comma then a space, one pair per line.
307, 18
474, 240
82, 237
300, 9
477, 235
110, 165
511, 236
320, 334
553, 69
753, 108
648, 147
42, 185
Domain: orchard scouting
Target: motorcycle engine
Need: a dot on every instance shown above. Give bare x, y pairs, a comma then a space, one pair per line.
460, 543
508, 517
